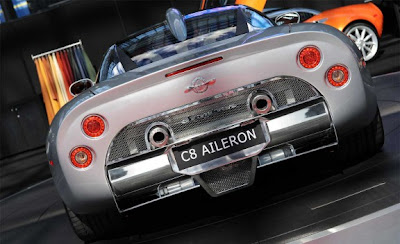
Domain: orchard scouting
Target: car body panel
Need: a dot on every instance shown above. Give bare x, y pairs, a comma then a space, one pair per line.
341, 17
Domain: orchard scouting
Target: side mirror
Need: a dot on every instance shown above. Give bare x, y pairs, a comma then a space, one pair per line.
79, 86
288, 18
176, 24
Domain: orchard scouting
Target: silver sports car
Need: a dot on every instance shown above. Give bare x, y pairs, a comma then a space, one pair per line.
200, 103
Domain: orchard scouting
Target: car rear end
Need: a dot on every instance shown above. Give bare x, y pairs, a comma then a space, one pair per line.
247, 103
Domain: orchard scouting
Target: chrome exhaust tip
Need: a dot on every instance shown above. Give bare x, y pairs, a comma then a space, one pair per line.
261, 103
158, 136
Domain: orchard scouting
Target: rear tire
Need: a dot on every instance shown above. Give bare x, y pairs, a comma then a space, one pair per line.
90, 228
362, 144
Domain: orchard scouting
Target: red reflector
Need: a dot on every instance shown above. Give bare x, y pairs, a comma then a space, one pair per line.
193, 66
51, 163
338, 75
309, 57
93, 126
81, 157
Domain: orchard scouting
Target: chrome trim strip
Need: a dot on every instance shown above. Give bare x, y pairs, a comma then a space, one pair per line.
299, 123
299, 154
140, 174
289, 120
157, 199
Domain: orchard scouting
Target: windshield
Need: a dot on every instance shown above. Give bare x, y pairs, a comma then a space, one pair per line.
157, 42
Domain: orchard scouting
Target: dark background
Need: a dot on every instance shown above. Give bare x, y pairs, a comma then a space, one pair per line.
98, 24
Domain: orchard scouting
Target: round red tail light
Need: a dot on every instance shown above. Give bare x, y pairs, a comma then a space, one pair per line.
81, 157
93, 126
309, 57
338, 75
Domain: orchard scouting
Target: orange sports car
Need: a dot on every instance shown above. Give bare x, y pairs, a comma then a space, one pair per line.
363, 23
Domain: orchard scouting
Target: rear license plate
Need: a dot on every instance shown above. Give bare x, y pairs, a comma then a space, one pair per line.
219, 145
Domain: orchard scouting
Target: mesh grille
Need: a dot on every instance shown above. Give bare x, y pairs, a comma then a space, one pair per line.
228, 177
200, 117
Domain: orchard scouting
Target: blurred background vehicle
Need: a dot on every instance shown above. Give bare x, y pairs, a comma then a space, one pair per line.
304, 13
362, 23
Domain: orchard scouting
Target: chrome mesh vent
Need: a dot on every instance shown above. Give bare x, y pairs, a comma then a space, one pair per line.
229, 177
209, 114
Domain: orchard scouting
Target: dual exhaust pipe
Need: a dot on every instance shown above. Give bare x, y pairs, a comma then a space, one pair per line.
260, 103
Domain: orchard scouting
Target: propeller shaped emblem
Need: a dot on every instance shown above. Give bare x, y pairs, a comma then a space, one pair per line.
200, 85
